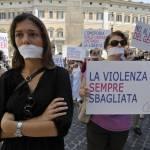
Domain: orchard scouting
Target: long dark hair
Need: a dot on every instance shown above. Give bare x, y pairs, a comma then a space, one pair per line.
18, 61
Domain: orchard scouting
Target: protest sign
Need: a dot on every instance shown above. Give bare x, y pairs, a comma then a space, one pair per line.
58, 60
118, 87
141, 36
4, 43
75, 53
94, 38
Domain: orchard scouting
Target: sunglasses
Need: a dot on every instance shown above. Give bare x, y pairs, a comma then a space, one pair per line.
115, 43
28, 107
95, 53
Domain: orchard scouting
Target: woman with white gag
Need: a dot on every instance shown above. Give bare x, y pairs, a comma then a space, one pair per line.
109, 132
38, 113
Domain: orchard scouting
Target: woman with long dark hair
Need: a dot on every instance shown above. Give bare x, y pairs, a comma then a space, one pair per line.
36, 100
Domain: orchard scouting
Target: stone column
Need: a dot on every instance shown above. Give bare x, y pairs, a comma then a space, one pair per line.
123, 17
35, 12
105, 23
73, 23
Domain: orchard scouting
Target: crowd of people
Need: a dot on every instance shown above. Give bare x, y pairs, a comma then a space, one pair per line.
3, 66
36, 96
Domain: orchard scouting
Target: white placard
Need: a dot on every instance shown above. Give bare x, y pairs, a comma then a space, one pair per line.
58, 60
4, 43
75, 53
94, 38
121, 87
141, 36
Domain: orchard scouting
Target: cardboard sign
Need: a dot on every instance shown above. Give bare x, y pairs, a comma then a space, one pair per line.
58, 60
141, 36
75, 53
4, 43
118, 87
94, 38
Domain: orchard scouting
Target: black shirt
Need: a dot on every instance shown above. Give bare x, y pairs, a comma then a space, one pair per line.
52, 84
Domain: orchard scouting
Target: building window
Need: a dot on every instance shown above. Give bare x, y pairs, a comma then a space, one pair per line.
41, 14
2, 15
111, 16
83, 15
127, 19
51, 33
148, 20
135, 19
50, 14
11, 15
60, 15
99, 16
142, 19
119, 18
59, 48
90, 16
60, 34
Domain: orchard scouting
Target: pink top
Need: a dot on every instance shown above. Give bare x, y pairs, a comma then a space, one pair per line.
113, 122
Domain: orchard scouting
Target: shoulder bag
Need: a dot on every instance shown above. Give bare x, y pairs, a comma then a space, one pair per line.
29, 78
82, 116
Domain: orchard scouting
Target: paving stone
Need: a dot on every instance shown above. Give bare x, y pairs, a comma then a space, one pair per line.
77, 135
76, 138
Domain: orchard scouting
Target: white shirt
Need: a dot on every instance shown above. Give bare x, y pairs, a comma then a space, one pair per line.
76, 83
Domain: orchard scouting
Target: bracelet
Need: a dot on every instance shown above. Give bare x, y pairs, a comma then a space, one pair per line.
18, 132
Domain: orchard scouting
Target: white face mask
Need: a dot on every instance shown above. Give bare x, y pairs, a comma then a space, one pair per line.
115, 51
30, 51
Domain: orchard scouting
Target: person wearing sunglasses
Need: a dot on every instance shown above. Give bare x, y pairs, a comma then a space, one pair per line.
34, 114
95, 54
115, 45
109, 132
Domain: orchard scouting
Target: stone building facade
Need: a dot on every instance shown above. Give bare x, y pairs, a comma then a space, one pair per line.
66, 19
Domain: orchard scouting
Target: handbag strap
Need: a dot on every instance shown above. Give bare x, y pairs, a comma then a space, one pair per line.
29, 78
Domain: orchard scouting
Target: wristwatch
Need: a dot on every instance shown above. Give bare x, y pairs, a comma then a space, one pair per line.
18, 132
